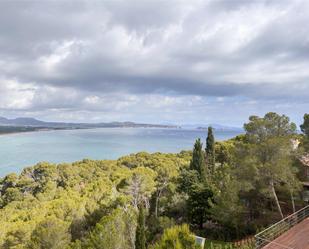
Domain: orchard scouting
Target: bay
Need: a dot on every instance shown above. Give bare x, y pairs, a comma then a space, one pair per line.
26, 149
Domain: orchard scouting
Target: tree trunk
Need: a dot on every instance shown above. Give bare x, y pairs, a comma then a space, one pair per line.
293, 202
157, 202
158, 196
272, 186
201, 223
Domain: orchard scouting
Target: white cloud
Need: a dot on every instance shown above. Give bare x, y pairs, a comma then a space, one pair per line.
174, 60
14, 95
61, 51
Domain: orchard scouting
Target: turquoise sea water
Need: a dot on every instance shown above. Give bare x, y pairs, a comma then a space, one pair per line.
26, 149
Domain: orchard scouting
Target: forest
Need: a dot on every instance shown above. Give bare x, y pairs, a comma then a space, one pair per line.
223, 191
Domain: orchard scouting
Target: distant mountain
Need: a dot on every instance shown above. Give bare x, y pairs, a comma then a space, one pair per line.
32, 122
216, 127
26, 121
22, 122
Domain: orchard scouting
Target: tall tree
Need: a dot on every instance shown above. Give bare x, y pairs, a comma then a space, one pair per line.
198, 203
194, 183
210, 150
305, 129
198, 159
271, 125
166, 173
139, 186
226, 207
140, 238
269, 151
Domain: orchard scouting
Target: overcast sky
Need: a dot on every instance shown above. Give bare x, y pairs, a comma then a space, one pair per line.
156, 61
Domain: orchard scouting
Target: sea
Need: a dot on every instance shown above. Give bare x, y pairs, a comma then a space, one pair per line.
21, 150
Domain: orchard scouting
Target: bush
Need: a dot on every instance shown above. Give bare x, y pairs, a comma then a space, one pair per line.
177, 237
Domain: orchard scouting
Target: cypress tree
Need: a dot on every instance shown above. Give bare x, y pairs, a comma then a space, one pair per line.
210, 150
197, 162
305, 129
198, 189
140, 238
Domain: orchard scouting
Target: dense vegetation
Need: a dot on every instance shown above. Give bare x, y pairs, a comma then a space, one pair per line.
226, 191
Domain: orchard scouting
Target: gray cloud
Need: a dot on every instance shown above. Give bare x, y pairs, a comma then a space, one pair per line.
80, 56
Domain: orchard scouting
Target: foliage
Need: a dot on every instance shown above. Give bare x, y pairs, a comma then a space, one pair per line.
226, 208
140, 239
178, 237
195, 184
157, 225
198, 159
51, 233
198, 203
139, 185
113, 231
272, 125
210, 150
305, 129
80, 194
224, 152
268, 154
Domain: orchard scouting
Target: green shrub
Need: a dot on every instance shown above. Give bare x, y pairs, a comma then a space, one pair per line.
177, 237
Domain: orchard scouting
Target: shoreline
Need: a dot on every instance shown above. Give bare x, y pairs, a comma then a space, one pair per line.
84, 128
38, 130
23, 150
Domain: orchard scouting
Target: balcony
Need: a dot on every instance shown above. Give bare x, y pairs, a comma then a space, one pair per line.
290, 233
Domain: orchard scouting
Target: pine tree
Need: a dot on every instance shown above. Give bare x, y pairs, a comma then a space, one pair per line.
197, 162
140, 239
269, 151
210, 150
305, 129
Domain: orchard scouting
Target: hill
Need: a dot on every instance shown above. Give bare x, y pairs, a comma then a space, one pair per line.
23, 124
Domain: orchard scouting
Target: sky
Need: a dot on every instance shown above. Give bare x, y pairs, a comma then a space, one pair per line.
154, 61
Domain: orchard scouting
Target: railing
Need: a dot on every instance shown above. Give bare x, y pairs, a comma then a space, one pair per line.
270, 234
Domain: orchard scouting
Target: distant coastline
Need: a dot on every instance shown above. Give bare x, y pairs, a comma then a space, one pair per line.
7, 130
22, 125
